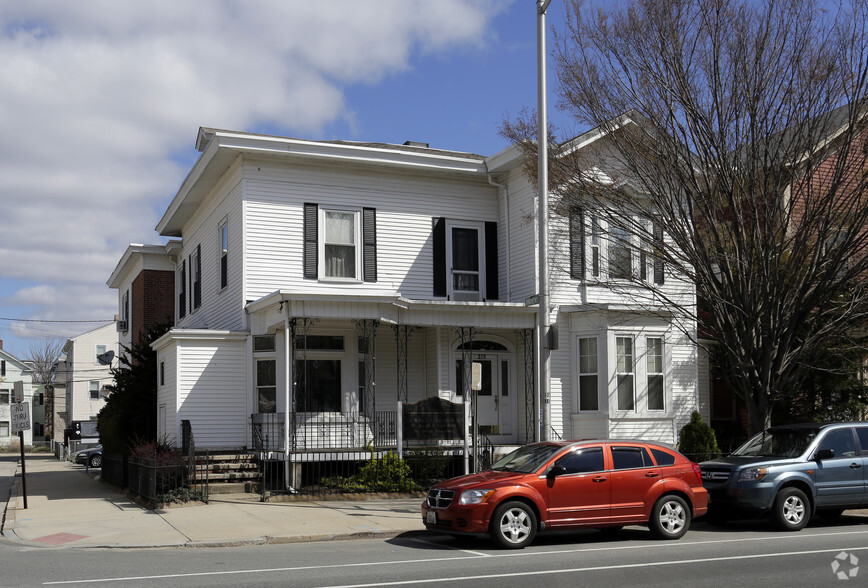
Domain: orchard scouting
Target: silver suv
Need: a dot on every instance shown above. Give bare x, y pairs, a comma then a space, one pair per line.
791, 472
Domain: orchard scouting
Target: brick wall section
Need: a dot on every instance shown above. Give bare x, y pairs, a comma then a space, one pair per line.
152, 301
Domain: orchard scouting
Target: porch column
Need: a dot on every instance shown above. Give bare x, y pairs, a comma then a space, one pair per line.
465, 336
531, 429
402, 337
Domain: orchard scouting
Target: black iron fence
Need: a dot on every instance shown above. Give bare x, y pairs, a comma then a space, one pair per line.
329, 430
338, 453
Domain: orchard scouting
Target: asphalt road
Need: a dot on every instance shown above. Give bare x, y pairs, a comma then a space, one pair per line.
740, 554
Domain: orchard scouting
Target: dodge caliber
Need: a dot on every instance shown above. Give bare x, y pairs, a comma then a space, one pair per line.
567, 485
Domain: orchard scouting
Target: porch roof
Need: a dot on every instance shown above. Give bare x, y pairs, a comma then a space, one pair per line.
393, 309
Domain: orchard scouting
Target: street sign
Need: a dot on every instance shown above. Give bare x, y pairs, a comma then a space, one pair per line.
18, 391
476, 376
532, 300
20, 417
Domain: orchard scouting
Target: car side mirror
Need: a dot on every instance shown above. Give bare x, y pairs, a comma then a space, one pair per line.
824, 454
556, 470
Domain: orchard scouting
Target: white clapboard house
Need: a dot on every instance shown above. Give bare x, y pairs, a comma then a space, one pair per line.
320, 283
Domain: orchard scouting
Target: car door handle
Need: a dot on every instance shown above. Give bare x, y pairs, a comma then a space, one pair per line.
600, 479
651, 474
855, 466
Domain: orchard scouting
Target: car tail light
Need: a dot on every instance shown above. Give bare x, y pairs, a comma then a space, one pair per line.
698, 471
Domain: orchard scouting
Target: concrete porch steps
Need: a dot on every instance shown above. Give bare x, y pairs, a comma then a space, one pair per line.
229, 471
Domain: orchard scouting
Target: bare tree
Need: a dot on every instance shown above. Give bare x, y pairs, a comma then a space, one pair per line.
737, 130
43, 358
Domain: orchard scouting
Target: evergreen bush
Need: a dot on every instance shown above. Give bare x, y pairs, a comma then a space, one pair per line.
697, 440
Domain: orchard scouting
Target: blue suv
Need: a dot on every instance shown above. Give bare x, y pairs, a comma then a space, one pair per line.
790, 473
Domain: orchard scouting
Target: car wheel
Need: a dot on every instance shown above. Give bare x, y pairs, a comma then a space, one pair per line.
670, 517
791, 511
514, 525
96, 461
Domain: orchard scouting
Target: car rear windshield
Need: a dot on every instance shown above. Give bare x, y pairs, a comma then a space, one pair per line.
526, 459
778, 442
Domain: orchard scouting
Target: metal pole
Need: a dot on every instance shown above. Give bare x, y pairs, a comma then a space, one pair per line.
23, 468
543, 318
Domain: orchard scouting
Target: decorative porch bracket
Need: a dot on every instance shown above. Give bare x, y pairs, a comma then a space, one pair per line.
368, 348
531, 429
298, 327
402, 338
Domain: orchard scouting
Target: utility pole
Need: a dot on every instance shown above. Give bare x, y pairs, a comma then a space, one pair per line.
543, 315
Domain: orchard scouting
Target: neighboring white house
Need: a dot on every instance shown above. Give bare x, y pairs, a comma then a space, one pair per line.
13, 370
85, 368
319, 283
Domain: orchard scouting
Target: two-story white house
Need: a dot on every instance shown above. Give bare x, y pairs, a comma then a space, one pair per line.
85, 367
319, 283
14, 370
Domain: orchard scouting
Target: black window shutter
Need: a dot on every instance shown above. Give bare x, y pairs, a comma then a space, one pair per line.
577, 243
369, 241
182, 295
311, 256
491, 271
658, 257
197, 292
439, 238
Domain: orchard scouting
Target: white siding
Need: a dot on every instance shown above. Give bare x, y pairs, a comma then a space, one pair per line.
220, 309
405, 204
167, 393
212, 391
523, 259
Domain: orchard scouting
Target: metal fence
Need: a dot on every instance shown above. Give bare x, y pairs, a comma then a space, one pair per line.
324, 431
338, 453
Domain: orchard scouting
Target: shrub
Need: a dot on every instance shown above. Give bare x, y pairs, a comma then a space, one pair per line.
386, 474
697, 440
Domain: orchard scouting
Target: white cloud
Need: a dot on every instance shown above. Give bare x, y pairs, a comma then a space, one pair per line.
102, 99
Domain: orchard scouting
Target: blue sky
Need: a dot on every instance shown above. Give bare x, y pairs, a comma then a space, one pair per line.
102, 102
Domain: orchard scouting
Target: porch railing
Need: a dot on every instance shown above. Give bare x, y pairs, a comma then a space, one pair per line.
325, 431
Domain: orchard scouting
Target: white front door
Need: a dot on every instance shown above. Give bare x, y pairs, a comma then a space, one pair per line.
493, 409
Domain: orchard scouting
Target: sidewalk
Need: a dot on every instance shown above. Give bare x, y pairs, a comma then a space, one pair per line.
67, 507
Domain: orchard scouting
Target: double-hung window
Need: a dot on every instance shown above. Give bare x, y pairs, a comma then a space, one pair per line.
124, 323
654, 372
223, 250
182, 294
94, 389
196, 277
625, 375
340, 252
589, 388
620, 254
266, 373
340, 244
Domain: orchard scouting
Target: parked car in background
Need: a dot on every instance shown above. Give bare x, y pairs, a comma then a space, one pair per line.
789, 473
91, 457
571, 484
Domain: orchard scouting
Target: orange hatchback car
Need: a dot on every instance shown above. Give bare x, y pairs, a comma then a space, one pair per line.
571, 484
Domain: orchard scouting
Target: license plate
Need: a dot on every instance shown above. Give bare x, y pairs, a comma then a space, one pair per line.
431, 517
